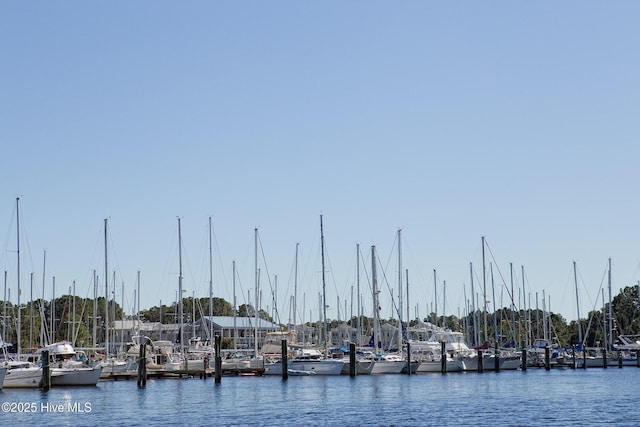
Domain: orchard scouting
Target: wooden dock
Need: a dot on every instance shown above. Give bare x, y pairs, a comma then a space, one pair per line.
165, 374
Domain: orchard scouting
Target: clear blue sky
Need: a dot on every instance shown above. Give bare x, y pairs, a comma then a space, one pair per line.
451, 120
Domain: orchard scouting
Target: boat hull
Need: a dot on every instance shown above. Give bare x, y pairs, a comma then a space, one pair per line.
23, 378
363, 367
436, 366
320, 367
388, 367
75, 376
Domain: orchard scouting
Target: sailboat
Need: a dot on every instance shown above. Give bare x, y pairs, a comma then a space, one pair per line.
22, 375
109, 365
310, 359
69, 367
384, 363
19, 374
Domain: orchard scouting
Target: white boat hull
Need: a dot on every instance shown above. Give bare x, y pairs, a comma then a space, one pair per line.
189, 366
436, 366
470, 363
23, 378
3, 372
113, 366
75, 376
388, 366
320, 367
363, 367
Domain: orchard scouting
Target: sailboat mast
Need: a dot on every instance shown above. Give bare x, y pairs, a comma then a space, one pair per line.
444, 303
474, 329
31, 316
545, 336
359, 320
513, 309
575, 279
610, 310
435, 296
95, 308
376, 303
121, 317
53, 311
407, 282
255, 311
19, 291
235, 328
73, 330
4, 309
295, 290
324, 290
106, 289
524, 308
180, 306
399, 291
193, 314
43, 322
495, 313
138, 303
210, 283
484, 295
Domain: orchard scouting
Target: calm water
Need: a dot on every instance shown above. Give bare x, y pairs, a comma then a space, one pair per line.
535, 397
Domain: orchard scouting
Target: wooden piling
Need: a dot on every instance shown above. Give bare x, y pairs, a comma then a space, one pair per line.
547, 358
218, 361
443, 357
352, 359
604, 358
496, 359
46, 374
584, 358
480, 362
524, 360
142, 366
284, 360
408, 358
619, 359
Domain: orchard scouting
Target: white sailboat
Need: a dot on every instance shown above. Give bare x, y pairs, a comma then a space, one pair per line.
19, 374
309, 359
67, 367
22, 375
384, 363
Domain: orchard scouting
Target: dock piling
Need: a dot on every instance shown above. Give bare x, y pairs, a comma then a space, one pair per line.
619, 359
142, 366
218, 360
46, 374
547, 361
284, 361
352, 360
